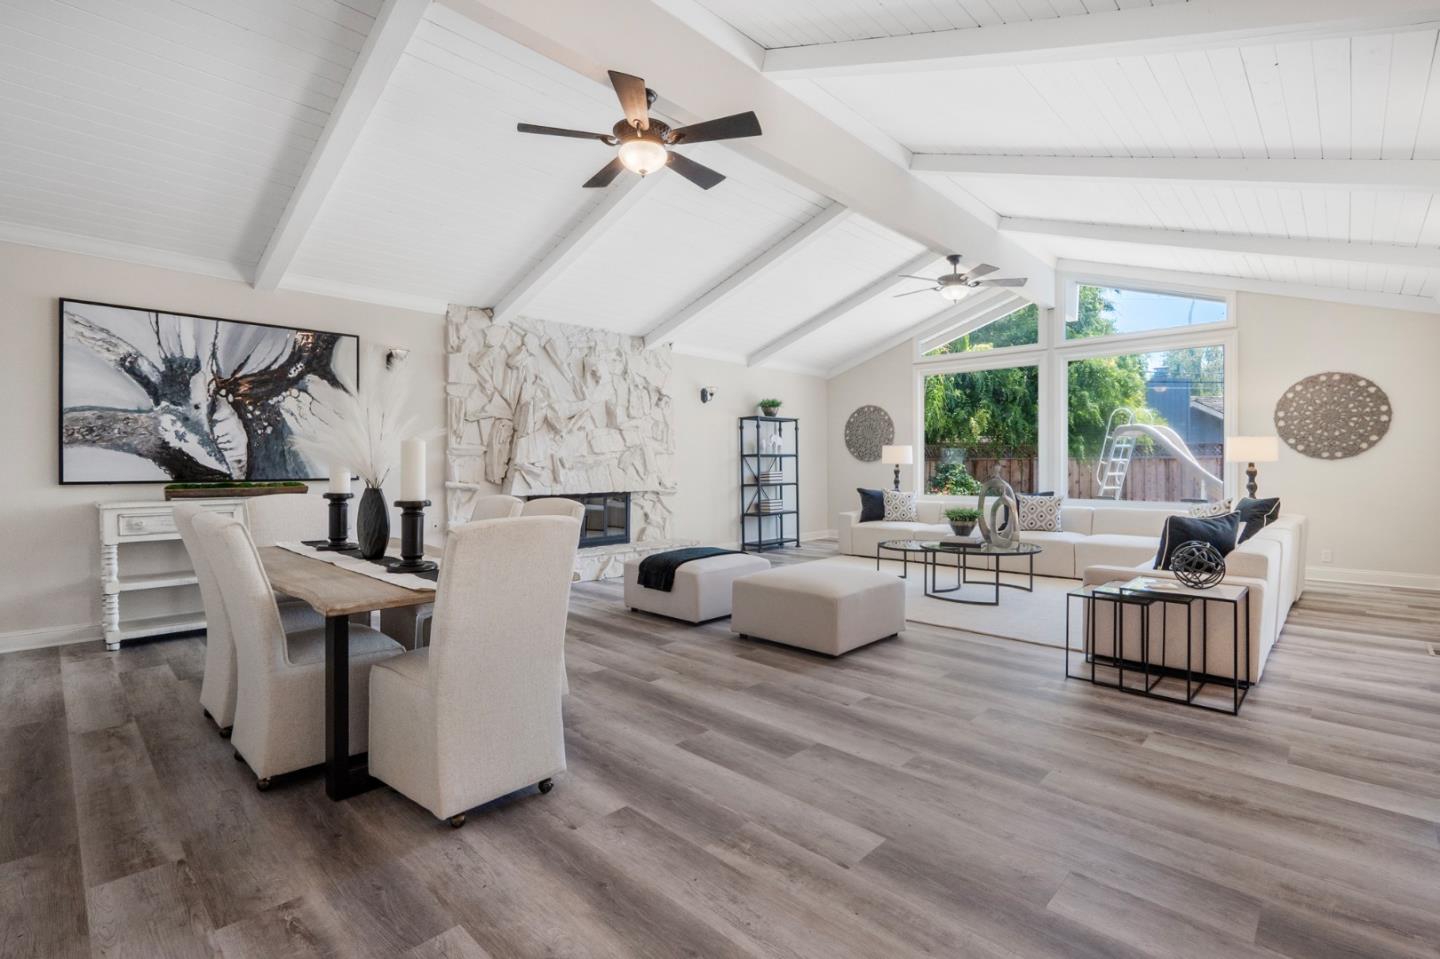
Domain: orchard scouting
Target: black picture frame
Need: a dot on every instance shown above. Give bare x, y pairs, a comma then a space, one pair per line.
61, 407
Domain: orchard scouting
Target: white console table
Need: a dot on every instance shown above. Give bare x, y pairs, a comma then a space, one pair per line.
146, 521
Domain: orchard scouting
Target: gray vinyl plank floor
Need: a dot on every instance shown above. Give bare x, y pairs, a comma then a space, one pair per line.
941, 794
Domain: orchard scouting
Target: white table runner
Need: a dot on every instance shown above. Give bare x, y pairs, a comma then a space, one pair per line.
362, 566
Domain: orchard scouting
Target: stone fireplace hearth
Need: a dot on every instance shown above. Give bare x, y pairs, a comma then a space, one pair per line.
547, 409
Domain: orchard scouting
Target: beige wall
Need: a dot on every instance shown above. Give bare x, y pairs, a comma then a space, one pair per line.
49, 569
887, 382
1360, 509
707, 501
1357, 508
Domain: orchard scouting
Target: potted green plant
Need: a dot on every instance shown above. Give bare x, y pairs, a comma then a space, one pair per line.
769, 407
962, 519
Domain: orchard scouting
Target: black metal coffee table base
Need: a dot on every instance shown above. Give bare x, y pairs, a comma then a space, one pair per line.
962, 579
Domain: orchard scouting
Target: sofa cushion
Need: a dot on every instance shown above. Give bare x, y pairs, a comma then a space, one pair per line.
1039, 512
1114, 549
1221, 532
1077, 519
899, 506
1130, 522
1057, 555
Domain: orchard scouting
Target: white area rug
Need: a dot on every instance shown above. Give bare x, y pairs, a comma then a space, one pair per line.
1037, 617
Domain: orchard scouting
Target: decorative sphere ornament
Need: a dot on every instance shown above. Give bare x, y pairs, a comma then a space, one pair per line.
1197, 565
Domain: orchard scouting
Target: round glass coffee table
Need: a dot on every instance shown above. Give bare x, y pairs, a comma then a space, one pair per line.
906, 548
963, 552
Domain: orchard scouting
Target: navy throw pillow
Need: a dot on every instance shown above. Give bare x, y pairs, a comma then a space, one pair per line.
1257, 514
872, 505
1219, 531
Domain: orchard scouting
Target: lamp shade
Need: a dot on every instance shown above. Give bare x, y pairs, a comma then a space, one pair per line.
897, 455
1252, 449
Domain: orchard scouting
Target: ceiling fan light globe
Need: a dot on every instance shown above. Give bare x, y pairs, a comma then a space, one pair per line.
643, 155
954, 292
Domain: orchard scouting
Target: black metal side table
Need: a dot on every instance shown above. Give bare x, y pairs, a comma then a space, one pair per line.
1148, 599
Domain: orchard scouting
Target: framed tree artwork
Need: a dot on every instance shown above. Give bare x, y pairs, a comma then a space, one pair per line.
148, 396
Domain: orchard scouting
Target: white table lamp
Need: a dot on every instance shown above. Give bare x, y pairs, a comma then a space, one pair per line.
897, 456
1251, 450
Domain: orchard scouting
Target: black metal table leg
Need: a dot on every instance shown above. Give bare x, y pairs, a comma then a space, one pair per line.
345, 776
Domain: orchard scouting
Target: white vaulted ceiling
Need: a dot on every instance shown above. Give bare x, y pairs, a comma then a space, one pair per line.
367, 149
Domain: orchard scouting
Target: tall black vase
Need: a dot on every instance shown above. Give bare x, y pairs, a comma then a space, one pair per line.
372, 524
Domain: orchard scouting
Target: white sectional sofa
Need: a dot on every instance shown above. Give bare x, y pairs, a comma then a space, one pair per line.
1102, 544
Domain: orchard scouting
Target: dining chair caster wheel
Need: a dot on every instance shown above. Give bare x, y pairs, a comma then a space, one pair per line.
239, 758
262, 784
456, 821
225, 733
546, 785
207, 714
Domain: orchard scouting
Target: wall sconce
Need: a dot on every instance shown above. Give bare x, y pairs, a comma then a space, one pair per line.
395, 355
707, 393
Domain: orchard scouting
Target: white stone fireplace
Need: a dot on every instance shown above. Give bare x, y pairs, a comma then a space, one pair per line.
537, 408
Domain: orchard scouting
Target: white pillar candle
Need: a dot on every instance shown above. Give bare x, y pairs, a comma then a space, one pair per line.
339, 478
412, 471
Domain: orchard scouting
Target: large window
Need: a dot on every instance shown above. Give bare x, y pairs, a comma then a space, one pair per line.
1147, 426
1113, 398
1021, 328
1108, 310
979, 422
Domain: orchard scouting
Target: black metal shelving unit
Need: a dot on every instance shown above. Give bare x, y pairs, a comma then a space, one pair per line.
778, 528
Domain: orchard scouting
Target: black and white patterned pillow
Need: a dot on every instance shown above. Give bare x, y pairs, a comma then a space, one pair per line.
899, 506
1217, 508
1039, 512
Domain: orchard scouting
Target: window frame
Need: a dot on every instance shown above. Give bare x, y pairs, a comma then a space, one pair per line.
1052, 356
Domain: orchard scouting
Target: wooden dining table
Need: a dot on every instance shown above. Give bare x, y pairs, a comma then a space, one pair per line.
337, 594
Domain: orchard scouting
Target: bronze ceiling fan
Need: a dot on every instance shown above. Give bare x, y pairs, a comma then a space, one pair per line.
646, 144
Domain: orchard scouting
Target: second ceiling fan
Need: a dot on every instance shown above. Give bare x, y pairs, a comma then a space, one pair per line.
956, 285
646, 144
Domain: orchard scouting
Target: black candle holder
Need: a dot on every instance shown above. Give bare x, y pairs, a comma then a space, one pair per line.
339, 522
412, 538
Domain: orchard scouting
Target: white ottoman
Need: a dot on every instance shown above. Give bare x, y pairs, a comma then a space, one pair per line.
701, 591
819, 606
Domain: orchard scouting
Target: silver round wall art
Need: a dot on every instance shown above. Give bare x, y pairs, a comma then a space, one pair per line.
868, 429
1331, 416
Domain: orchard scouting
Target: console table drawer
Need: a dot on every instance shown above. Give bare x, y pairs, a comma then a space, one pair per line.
145, 524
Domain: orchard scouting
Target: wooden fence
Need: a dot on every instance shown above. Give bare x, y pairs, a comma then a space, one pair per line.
1153, 477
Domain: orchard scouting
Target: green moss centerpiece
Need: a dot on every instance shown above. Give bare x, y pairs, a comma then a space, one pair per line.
230, 490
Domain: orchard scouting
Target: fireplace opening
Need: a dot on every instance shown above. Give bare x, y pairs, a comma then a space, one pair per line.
607, 517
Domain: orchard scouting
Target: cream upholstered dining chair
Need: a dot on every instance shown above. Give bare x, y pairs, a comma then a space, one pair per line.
498, 506
554, 506
280, 688
217, 688
476, 714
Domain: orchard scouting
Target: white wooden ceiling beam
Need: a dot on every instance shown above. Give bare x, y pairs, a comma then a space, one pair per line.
616, 200
1416, 175
826, 219
698, 78
947, 318
852, 302
956, 323
1385, 254
389, 36
1164, 28
1118, 272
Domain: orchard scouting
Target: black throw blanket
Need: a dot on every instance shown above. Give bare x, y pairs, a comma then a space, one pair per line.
657, 571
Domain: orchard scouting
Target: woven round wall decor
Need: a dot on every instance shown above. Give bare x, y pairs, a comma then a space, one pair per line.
1331, 416
868, 429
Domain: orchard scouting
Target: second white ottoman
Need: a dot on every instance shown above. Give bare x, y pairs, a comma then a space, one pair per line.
701, 591
819, 606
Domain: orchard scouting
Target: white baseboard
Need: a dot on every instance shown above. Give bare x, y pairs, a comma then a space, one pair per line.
1320, 575
20, 639
818, 534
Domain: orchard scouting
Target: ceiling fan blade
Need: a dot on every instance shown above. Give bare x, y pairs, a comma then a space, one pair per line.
607, 174
725, 128
633, 100
984, 269
912, 276
562, 132
925, 289
697, 173
1019, 281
